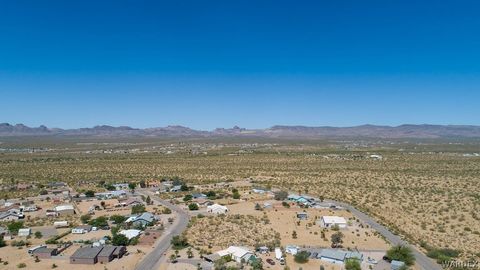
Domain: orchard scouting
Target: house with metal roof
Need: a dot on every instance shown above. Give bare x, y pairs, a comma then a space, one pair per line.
85, 255
338, 256
142, 220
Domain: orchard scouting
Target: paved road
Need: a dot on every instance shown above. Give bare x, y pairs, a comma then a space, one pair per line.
422, 260
156, 256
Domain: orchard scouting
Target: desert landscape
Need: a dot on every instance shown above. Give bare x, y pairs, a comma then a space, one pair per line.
425, 191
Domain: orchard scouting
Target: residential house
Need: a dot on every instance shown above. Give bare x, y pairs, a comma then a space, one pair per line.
65, 210
132, 233
121, 186
330, 221
10, 216
85, 255
176, 188
128, 202
24, 232
141, 220
263, 249
45, 253
291, 249
217, 209
81, 229
197, 196
236, 253
109, 253
338, 256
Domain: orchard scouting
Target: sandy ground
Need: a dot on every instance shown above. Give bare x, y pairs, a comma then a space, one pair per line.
284, 221
14, 256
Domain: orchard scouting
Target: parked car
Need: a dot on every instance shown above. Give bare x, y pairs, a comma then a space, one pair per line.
371, 261
270, 261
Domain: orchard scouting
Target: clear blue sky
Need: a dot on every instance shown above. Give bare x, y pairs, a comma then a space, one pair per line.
208, 64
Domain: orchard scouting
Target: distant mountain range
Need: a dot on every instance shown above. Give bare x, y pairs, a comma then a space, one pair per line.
303, 132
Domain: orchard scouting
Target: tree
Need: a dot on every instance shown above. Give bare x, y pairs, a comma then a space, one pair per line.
99, 222
337, 238
138, 209
89, 193
301, 257
258, 207
236, 195
148, 200
211, 194
119, 240
294, 234
142, 184
187, 198
179, 242
352, 264
102, 203
14, 226
38, 234
166, 211
173, 258
280, 195
43, 192
110, 187
184, 187
2, 242
85, 218
193, 206
132, 186
257, 264
401, 253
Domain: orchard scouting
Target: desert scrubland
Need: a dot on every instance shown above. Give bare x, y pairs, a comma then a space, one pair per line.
426, 191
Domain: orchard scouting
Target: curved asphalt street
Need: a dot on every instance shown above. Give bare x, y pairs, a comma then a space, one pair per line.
421, 259
156, 256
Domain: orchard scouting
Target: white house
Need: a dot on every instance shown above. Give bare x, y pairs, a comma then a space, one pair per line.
24, 232
217, 209
330, 221
65, 210
291, 249
60, 224
81, 229
237, 253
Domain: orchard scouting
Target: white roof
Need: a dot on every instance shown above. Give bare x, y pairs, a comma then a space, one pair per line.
132, 233
334, 220
64, 207
234, 251
25, 231
217, 207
